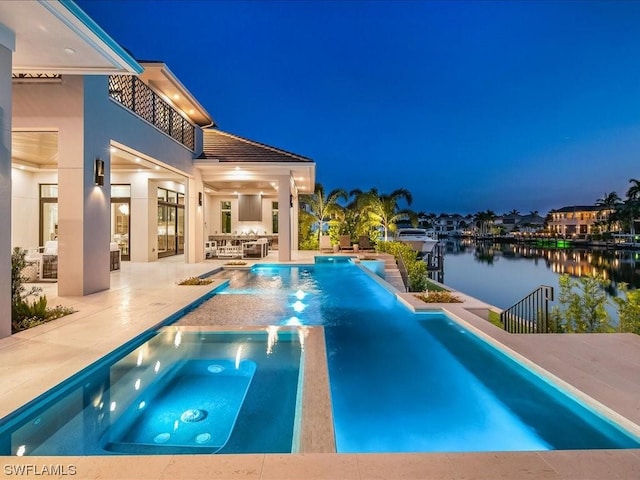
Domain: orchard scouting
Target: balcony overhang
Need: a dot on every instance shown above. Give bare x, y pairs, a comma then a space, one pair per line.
158, 76
58, 37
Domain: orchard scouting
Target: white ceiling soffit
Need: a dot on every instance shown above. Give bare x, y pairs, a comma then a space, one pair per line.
226, 177
58, 37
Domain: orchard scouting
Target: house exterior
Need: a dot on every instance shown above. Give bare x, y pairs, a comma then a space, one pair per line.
101, 149
455, 224
576, 220
511, 223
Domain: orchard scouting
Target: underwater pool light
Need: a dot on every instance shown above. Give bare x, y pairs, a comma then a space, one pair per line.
299, 306
293, 322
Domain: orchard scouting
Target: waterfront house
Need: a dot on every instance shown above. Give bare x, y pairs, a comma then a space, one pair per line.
454, 224
577, 220
101, 149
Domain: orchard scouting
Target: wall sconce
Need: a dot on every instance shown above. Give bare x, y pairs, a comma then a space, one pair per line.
200, 199
98, 172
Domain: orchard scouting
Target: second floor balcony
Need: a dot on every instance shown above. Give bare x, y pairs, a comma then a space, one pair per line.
135, 95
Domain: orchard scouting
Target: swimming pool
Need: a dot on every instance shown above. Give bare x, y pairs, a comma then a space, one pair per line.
399, 381
406, 382
179, 392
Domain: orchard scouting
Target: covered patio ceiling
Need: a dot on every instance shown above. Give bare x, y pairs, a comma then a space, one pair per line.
251, 178
37, 151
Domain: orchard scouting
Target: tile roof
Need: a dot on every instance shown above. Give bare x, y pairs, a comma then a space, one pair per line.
579, 208
226, 147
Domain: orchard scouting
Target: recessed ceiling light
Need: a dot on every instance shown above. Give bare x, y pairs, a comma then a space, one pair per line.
69, 51
157, 167
113, 149
137, 160
237, 168
191, 111
176, 96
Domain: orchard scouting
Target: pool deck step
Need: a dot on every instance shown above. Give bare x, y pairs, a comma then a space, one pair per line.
391, 273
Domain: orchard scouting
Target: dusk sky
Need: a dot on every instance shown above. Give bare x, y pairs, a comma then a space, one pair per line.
468, 105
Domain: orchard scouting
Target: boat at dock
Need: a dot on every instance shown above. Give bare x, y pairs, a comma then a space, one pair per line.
417, 238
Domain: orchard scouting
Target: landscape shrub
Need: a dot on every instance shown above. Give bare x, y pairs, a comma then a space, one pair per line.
195, 281
438, 297
417, 273
25, 313
581, 305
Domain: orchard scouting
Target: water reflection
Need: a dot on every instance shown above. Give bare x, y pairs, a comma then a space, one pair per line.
617, 266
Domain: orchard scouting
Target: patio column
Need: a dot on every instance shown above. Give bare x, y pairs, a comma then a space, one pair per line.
83, 207
7, 47
284, 218
294, 223
194, 231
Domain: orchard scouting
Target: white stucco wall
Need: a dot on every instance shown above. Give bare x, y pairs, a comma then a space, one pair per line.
25, 206
88, 122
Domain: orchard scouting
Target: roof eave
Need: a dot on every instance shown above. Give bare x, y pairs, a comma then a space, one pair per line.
164, 69
76, 19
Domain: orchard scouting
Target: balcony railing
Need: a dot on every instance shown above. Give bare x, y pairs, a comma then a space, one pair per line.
134, 94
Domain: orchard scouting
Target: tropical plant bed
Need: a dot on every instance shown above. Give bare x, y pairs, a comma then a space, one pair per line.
438, 297
28, 315
195, 281
24, 312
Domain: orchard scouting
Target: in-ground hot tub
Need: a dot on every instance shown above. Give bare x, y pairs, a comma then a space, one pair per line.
191, 409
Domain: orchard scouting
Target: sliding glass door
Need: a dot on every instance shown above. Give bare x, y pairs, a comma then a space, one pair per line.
170, 223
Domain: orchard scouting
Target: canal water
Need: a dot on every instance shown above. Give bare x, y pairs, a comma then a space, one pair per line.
501, 274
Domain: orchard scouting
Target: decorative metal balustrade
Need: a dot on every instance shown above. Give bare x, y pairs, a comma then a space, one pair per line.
134, 94
403, 272
531, 314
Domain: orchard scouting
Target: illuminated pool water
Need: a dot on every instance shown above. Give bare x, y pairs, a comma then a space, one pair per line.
179, 392
400, 382
405, 382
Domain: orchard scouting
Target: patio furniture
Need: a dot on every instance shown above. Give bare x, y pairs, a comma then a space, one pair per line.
345, 242
31, 271
229, 250
210, 249
365, 243
258, 248
325, 243
49, 261
114, 256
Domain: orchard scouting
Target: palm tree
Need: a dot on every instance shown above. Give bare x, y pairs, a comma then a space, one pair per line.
484, 220
634, 190
627, 212
514, 212
632, 204
609, 203
320, 206
383, 210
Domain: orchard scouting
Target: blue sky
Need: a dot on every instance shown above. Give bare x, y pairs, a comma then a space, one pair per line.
468, 105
